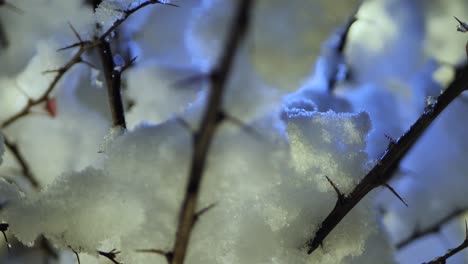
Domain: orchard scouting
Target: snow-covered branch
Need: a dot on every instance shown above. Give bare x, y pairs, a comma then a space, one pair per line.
203, 137
383, 171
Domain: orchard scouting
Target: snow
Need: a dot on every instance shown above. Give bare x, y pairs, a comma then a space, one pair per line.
282, 64
266, 174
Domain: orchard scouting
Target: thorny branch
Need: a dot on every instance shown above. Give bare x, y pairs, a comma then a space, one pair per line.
381, 173
203, 137
83, 45
432, 229
453, 251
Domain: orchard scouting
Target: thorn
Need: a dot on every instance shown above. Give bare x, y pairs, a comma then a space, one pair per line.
3, 229
165, 3
340, 195
88, 63
204, 210
246, 128
194, 79
74, 45
184, 124
75, 32
462, 27
59, 70
167, 254
128, 64
396, 194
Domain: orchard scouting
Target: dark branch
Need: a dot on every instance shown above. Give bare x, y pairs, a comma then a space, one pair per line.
432, 229
388, 163
443, 259
203, 137
113, 80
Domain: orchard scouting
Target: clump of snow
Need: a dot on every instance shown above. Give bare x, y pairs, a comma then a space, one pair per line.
41, 19
156, 94
93, 207
271, 182
108, 12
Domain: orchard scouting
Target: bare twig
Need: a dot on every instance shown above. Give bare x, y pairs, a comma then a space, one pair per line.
388, 163
432, 229
203, 137
453, 251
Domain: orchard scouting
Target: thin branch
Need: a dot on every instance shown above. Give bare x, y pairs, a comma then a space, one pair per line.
388, 163
432, 229
339, 48
129, 12
203, 137
43, 98
443, 259
25, 168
